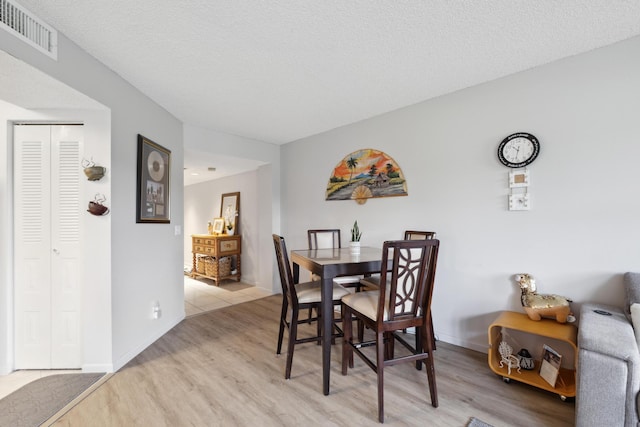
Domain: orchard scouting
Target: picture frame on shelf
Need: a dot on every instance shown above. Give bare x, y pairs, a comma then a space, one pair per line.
152, 193
550, 365
218, 225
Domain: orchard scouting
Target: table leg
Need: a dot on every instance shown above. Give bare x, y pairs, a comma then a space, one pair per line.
296, 273
326, 305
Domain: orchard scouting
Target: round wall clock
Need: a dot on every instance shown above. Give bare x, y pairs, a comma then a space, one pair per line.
518, 150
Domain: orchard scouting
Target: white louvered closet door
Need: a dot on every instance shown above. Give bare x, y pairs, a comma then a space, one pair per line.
47, 211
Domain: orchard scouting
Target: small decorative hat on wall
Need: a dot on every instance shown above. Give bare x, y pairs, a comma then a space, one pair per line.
364, 174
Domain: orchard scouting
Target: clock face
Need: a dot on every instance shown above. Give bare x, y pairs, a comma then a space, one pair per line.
518, 150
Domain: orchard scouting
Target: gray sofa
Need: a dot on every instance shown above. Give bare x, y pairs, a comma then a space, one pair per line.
608, 373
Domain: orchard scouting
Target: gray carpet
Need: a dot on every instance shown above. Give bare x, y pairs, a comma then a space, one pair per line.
474, 422
36, 402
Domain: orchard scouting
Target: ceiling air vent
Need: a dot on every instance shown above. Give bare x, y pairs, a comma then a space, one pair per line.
29, 28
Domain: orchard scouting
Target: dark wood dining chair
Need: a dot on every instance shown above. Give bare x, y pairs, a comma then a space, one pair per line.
373, 282
419, 235
402, 301
329, 238
296, 297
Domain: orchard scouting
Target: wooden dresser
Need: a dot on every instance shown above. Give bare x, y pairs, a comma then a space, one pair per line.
222, 249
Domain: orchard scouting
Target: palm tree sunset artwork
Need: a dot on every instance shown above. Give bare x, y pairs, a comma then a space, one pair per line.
365, 174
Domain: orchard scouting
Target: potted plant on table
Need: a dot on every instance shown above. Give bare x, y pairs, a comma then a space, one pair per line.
354, 245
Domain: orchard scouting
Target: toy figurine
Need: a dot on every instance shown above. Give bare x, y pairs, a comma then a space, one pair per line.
538, 306
507, 358
526, 361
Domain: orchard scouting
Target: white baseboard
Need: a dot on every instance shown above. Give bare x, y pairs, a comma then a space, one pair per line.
96, 367
464, 343
5, 369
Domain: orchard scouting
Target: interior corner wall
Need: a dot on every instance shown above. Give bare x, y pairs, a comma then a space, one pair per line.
146, 259
269, 219
202, 204
6, 243
582, 231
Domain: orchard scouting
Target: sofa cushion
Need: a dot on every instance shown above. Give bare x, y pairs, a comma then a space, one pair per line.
608, 375
632, 291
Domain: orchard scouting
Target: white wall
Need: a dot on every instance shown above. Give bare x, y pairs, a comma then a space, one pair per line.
583, 230
146, 259
202, 204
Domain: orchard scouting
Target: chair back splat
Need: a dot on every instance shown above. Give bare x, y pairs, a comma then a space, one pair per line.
324, 238
402, 301
373, 282
406, 288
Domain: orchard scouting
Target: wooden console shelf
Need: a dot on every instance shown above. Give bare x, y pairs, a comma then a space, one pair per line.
548, 328
217, 246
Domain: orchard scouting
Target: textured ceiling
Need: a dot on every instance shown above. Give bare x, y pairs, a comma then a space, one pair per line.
281, 70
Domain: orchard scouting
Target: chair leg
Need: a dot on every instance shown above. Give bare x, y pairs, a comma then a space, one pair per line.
347, 339
334, 326
433, 334
360, 324
419, 346
293, 336
430, 368
389, 346
381, 349
427, 335
318, 324
283, 317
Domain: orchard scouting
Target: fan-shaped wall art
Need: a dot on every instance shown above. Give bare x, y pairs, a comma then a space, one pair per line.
364, 174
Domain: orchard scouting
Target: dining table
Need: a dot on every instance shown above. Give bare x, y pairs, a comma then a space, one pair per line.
328, 264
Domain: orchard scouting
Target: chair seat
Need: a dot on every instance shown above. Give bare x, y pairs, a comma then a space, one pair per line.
309, 292
365, 303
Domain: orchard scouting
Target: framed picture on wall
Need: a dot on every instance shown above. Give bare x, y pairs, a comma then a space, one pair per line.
153, 202
230, 211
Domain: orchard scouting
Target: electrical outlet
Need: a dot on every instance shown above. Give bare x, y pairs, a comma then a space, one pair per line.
156, 313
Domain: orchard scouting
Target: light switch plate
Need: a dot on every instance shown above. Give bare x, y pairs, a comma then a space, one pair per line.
519, 202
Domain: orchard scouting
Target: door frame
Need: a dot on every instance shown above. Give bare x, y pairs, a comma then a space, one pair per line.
97, 352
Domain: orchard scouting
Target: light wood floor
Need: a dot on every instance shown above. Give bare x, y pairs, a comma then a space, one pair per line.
220, 369
199, 296
203, 295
